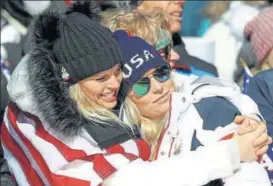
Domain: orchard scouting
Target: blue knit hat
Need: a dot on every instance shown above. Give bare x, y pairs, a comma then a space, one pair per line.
138, 57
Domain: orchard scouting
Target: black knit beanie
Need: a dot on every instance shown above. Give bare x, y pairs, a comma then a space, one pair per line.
84, 47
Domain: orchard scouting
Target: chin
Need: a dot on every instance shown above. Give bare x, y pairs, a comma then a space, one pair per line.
175, 28
109, 105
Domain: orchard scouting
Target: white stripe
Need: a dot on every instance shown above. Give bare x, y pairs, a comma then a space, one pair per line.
83, 142
81, 169
130, 146
25, 149
117, 160
15, 168
54, 159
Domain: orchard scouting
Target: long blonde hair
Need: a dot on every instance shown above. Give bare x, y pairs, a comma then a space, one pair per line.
143, 25
90, 109
149, 129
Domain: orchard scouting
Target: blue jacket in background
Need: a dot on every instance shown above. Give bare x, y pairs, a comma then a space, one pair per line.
260, 89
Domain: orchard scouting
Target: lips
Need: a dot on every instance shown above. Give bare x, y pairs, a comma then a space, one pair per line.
162, 98
177, 16
109, 96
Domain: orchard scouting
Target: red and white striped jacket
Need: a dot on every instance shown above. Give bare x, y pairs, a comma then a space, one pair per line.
38, 158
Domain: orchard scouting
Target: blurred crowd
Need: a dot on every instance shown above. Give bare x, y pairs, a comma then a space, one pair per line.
227, 40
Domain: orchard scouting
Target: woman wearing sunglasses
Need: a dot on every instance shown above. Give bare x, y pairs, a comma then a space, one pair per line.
168, 120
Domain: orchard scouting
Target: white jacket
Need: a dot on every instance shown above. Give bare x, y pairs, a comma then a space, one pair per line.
185, 121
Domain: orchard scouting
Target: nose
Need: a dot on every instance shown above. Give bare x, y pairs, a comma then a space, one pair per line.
113, 82
174, 57
156, 86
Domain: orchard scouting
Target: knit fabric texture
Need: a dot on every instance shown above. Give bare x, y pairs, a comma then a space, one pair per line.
84, 47
138, 58
260, 33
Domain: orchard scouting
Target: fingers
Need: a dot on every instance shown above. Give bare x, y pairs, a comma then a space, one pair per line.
261, 140
262, 151
246, 128
259, 131
269, 141
239, 119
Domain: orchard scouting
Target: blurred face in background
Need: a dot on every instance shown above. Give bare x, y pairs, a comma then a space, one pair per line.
173, 8
164, 46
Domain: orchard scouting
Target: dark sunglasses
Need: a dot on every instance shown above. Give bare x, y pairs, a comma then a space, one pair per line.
161, 74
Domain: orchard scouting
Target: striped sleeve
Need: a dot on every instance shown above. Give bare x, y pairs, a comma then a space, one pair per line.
45, 160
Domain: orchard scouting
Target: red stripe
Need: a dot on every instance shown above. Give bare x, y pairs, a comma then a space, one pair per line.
164, 131
115, 149
229, 136
144, 149
32, 177
130, 157
53, 179
68, 153
101, 166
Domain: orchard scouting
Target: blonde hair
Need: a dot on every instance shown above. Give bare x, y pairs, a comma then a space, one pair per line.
150, 130
143, 25
90, 109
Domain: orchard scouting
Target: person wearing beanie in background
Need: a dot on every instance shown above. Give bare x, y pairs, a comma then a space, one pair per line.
146, 90
259, 32
174, 9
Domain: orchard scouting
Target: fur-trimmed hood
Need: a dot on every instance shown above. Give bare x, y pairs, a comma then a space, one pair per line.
49, 94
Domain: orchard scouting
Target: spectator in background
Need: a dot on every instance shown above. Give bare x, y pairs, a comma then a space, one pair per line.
256, 32
260, 88
227, 33
16, 17
193, 13
259, 32
175, 11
